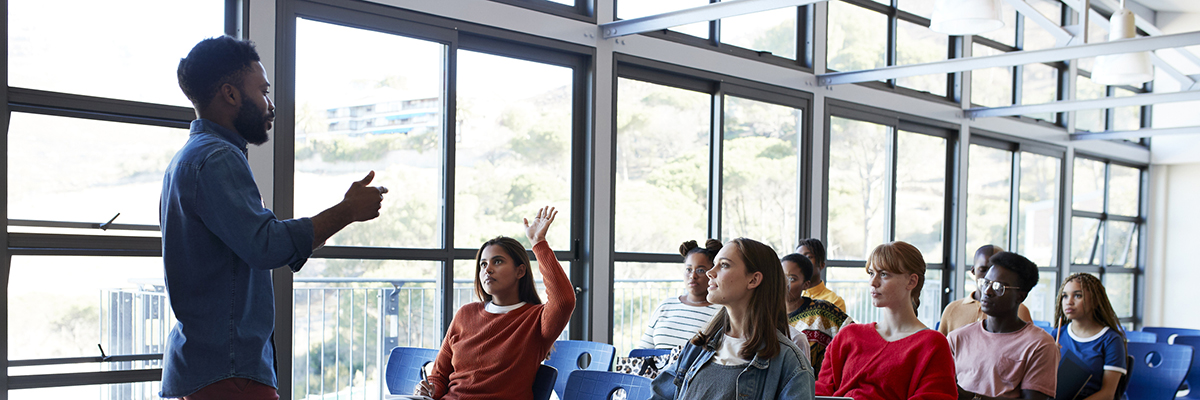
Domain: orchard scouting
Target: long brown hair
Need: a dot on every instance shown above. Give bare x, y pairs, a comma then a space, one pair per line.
900, 258
767, 313
1094, 291
526, 291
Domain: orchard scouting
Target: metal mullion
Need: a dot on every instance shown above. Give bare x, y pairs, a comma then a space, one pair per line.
581, 221
1014, 195
949, 202
80, 379
449, 133
646, 257
97, 108
716, 145
5, 255
1088, 214
889, 212
50, 244
1102, 230
892, 40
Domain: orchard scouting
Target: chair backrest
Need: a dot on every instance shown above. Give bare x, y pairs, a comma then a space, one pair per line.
404, 368
1123, 383
1045, 325
1141, 337
1164, 334
543, 383
600, 385
1193, 376
569, 354
1160, 369
649, 352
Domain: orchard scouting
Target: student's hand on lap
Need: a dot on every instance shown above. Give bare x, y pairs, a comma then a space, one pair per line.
536, 231
424, 388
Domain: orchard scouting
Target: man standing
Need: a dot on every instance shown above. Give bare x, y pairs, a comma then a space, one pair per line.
220, 243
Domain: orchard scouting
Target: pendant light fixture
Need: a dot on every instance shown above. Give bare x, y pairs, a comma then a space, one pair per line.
966, 17
1123, 69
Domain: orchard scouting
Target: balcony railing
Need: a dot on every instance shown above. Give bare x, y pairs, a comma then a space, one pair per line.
344, 328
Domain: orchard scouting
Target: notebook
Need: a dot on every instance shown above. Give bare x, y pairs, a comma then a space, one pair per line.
1071, 377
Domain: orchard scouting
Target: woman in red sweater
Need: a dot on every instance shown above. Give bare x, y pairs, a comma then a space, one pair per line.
897, 357
494, 346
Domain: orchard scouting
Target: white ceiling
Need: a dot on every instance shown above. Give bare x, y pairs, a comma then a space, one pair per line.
1172, 5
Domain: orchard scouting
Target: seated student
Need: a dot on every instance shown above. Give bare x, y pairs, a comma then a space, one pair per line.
744, 352
1093, 334
677, 319
815, 252
818, 320
897, 357
1003, 356
494, 346
960, 313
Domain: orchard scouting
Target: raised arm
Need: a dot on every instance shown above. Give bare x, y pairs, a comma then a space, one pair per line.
560, 294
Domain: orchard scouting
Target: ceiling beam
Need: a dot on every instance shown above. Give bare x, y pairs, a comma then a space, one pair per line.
708, 12
1076, 105
1013, 58
1135, 134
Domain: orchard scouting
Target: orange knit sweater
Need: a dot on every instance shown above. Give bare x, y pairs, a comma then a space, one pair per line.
496, 356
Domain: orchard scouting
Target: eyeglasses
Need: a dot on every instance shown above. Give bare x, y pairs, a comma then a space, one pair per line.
996, 286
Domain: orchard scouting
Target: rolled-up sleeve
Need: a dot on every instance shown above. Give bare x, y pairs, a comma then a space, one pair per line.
231, 207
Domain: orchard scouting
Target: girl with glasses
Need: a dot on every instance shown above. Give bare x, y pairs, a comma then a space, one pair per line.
677, 319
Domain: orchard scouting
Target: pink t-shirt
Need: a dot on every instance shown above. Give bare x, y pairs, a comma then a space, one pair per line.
1003, 364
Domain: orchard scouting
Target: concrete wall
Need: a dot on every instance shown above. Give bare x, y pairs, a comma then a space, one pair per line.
1171, 272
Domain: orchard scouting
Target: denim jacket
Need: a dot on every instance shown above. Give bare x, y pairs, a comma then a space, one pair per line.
219, 245
788, 375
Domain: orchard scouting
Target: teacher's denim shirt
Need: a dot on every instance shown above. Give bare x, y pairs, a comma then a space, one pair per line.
788, 375
219, 244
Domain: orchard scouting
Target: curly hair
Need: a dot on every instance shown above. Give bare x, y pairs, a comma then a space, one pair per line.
814, 246
710, 249
212, 63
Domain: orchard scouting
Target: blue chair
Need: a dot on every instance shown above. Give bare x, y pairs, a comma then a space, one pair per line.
543, 382
1165, 334
1160, 369
600, 385
1045, 325
1140, 337
649, 352
569, 355
404, 368
1193, 376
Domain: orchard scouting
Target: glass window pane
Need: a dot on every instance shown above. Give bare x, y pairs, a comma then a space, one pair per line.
916, 44
1037, 229
662, 166
1036, 37
1089, 120
1040, 86
117, 302
858, 173
1084, 241
852, 285
989, 198
47, 181
923, 8
857, 38
637, 290
382, 112
921, 193
1088, 190
1126, 118
1121, 241
773, 31
759, 178
1041, 299
349, 325
1124, 189
629, 9
991, 87
1120, 293
1007, 34
513, 148
84, 47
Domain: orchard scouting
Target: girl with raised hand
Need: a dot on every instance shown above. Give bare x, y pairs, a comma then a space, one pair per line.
1092, 333
677, 319
494, 346
897, 357
744, 352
